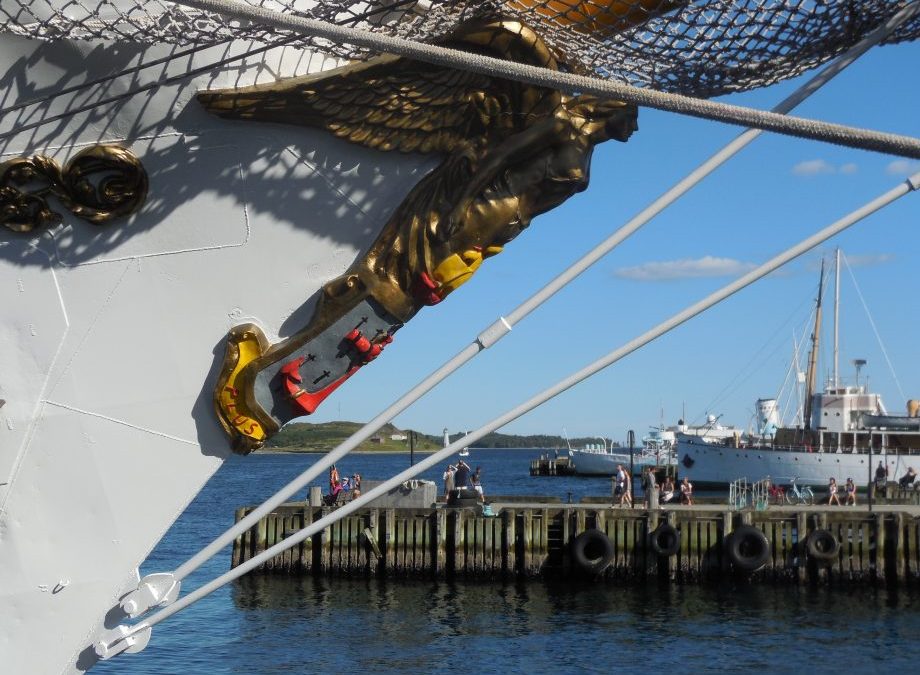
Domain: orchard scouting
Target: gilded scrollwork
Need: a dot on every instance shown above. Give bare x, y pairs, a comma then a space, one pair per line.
98, 184
511, 152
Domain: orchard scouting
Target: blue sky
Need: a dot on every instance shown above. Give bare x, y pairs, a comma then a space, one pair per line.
776, 192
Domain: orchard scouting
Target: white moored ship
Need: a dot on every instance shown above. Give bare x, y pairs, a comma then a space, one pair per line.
847, 433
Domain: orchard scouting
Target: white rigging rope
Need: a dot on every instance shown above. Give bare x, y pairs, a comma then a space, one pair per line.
878, 336
113, 641
139, 601
893, 144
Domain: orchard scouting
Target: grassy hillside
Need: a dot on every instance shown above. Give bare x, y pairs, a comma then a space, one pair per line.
306, 437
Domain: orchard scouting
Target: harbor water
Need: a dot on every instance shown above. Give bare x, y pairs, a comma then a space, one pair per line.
283, 624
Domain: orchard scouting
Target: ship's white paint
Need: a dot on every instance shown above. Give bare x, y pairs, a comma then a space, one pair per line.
718, 465
839, 414
112, 336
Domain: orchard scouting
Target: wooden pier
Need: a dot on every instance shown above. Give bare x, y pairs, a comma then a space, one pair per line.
796, 544
552, 466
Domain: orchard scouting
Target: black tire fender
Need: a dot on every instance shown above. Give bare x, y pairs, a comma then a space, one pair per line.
664, 540
822, 546
748, 548
592, 551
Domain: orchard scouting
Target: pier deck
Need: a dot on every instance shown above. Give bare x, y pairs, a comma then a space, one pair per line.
532, 540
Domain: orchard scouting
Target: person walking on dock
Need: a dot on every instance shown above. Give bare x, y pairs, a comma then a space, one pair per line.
622, 489
832, 497
619, 487
686, 492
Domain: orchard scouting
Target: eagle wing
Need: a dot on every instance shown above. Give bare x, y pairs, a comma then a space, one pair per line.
395, 103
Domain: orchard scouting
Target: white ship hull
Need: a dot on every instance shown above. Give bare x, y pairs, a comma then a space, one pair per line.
113, 335
596, 463
710, 465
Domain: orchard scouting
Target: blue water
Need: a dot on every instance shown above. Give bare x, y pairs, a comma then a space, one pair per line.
281, 624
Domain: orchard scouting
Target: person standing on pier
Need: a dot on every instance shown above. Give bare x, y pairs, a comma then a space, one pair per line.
449, 479
462, 477
881, 475
650, 488
333, 478
476, 480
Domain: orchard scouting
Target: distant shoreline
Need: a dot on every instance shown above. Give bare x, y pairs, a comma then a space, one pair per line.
306, 451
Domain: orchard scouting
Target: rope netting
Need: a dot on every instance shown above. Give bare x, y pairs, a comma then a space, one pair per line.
701, 48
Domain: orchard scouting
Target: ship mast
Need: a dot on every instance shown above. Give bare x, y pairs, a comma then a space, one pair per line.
836, 318
812, 376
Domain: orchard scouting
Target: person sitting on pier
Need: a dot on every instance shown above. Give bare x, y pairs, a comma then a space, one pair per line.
335, 493
908, 478
667, 490
832, 497
686, 492
851, 492
356, 486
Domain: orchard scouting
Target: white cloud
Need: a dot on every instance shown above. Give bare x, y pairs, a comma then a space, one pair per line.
902, 167
814, 167
707, 266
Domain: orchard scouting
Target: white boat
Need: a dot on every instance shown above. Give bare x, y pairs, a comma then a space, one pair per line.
659, 447
463, 453
602, 460
234, 272
844, 422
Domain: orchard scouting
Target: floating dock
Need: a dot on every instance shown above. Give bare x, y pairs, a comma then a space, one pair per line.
795, 544
552, 466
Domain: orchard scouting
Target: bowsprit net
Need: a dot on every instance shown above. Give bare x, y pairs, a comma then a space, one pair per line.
701, 48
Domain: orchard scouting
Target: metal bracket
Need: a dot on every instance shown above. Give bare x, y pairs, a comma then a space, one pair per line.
154, 590
494, 333
128, 639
